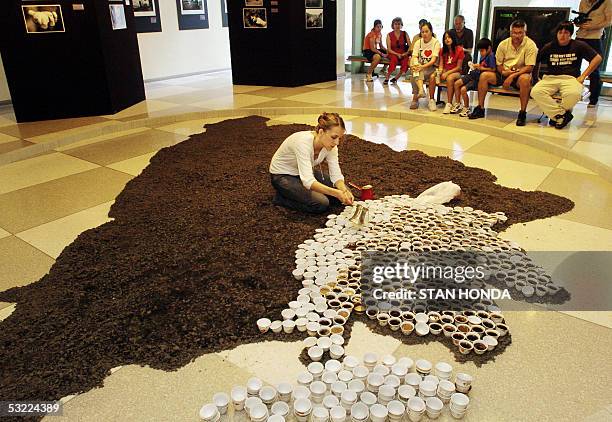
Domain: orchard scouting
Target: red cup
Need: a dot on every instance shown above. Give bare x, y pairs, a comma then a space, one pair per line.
367, 193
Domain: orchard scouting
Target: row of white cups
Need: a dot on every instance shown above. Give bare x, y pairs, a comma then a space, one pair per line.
380, 391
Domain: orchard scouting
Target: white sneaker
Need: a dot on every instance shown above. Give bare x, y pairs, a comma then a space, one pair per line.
447, 108
456, 108
464, 112
432, 105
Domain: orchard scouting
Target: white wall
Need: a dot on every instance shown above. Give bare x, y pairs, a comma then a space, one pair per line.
173, 52
4, 90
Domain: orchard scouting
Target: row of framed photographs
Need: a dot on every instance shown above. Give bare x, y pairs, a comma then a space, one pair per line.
188, 7
309, 4
256, 18
48, 18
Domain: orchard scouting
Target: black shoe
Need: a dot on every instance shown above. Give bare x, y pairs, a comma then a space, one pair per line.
477, 113
386, 82
521, 120
551, 122
375, 75
393, 81
563, 120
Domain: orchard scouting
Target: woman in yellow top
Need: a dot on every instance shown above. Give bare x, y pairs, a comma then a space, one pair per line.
373, 49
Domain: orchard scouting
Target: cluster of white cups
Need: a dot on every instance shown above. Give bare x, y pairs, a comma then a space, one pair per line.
357, 390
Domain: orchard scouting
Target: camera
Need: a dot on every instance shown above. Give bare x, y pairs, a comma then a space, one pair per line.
581, 18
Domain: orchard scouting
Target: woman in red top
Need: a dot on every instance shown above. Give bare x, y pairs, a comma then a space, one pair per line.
449, 69
373, 49
399, 49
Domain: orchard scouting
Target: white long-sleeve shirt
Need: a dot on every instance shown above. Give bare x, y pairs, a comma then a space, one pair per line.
296, 157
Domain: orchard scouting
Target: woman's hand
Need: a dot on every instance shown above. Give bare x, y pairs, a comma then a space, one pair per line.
345, 196
416, 67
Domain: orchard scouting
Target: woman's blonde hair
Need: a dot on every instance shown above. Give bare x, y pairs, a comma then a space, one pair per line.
327, 121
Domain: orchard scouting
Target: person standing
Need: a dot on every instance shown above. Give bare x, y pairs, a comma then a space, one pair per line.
373, 50
515, 56
563, 58
592, 32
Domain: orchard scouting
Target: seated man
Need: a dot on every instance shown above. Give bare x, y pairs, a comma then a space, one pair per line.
563, 57
515, 57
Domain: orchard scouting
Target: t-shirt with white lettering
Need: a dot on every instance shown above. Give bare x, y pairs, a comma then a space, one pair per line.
565, 60
423, 53
295, 157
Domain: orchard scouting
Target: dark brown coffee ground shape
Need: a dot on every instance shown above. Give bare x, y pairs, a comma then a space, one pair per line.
197, 253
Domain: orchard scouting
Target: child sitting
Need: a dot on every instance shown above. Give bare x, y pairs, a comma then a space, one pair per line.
469, 82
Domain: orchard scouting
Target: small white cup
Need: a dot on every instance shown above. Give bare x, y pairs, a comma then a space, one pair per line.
288, 326
263, 324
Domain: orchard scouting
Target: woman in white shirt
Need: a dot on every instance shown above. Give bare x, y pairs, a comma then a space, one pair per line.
425, 53
298, 185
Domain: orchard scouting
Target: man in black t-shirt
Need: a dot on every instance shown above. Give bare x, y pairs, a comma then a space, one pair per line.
563, 58
465, 38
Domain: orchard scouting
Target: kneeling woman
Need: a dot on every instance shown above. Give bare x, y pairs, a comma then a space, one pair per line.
298, 185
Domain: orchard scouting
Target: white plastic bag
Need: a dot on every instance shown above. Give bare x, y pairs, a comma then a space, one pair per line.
440, 193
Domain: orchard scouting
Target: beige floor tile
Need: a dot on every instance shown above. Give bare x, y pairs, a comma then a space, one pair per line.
46, 202
600, 152
189, 127
379, 127
272, 361
133, 166
546, 346
282, 103
53, 237
30, 172
21, 263
323, 85
13, 146
435, 151
574, 131
363, 341
7, 116
571, 166
143, 394
232, 101
596, 317
503, 148
58, 136
592, 196
322, 96
125, 147
362, 101
4, 139
443, 137
598, 133
307, 119
6, 311
100, 138
177, 110
282, 92
35, 129
4, 305
243, 89
558, 234
513, 174
142, 107
3, 233
196, 95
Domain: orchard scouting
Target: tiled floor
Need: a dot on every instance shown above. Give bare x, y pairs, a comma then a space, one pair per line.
47, 200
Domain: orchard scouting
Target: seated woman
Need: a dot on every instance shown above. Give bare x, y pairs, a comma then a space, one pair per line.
399, 48
297, 185
425, 53
449, 69
373, 49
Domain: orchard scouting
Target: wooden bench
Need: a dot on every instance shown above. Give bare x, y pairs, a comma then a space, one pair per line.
362, 59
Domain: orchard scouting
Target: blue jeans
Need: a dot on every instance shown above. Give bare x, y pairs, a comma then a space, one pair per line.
594, 78
291, 193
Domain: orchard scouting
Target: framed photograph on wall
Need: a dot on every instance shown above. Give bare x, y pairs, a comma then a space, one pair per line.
192, 14
314, 18
146, 16
255, 17
43, 18
117, 14
144, 8
192, 7
253, 3
313, 4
